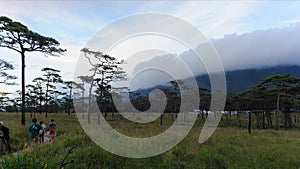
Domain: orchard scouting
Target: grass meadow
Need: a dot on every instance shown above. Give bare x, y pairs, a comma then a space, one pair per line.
229, 147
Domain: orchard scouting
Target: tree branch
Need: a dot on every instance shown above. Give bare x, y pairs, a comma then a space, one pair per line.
7, 46
62, 164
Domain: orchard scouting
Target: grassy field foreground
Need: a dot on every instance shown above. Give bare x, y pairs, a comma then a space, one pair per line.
227, 148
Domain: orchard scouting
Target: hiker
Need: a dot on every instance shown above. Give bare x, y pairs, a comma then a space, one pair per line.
34, 130
4, 138
42, 131
52, 126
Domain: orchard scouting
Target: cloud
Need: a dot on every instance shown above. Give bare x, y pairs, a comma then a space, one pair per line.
61, 20
261, 48
36, 61
257, 49
215, 19
72, 23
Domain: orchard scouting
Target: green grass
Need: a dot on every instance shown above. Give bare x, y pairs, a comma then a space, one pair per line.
229, 147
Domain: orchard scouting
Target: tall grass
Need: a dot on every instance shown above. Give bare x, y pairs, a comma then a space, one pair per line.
228, 147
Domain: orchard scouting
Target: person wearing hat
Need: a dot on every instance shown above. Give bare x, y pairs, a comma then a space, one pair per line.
4, 137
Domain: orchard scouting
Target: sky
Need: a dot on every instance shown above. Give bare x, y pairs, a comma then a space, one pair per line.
245, 34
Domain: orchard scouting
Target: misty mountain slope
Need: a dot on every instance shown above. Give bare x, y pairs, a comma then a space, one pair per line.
241, 80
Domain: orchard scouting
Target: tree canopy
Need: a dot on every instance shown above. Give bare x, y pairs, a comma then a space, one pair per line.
16, 36
4, 76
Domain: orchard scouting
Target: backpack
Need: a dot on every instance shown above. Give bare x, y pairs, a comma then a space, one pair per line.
41, 132
1, 134
52, 125
34, 127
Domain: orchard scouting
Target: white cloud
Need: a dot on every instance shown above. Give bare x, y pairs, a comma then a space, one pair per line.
257, 49
215, 19
55, 19
73, 23
260, 48
36, 61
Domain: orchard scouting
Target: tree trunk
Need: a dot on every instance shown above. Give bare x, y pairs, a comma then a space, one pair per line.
277, 111
239, 118
41, 99
31, 111
230, 118
270, 120
263, 120
46, 103
226, 116
89, 104
70, 102
23, 88
257, 119
249, 123
82, 95
34, 110
285, 119
289, 119
295, 116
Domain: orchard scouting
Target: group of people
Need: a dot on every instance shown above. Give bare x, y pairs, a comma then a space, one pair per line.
37, 131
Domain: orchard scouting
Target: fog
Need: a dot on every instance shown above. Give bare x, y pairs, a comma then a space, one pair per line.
258, 49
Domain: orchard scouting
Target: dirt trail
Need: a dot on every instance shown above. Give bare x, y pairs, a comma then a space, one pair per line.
47, 140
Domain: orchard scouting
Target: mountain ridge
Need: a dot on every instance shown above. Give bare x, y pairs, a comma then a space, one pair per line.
238, 81
241, 80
